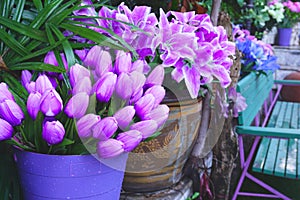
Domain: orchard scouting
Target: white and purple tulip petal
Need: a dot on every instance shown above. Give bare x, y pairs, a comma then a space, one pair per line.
51, 103
86, 123
131, 139
5, 94
77, 105
105, 128
123, 62
156, 77
124, 86
105, 86
83, 85
158, 92
124, 116
33, 104
78, 72
146, 127
159, 114
43, 84
53, 132
110, 148
144, 105
11, 112
6, 130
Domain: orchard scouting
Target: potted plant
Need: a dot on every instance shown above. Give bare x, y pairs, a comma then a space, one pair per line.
187, 67
291, 17
76, 102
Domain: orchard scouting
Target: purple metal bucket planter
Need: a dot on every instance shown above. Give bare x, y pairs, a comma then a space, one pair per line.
284, 36
83, 177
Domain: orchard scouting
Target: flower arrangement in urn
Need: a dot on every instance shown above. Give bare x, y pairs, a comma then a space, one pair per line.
109, 100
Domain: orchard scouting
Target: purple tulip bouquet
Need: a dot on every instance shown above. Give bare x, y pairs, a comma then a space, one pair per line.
108, 101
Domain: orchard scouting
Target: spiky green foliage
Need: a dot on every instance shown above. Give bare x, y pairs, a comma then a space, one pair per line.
28, 30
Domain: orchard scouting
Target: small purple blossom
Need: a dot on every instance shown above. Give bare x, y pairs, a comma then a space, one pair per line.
124, 116
42, 84
51, 103
105, 128
11, 112
110, 148
6, 130
77, 105
5, 94
86, 123
77, 73
33, 104
53, 132
105, 86
131, 139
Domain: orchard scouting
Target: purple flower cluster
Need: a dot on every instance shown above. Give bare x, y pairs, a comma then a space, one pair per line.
257, 55
10, 113
197, 51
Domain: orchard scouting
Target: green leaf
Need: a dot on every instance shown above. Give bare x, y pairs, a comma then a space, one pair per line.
23, 29
63, 12
37, 66
89, 34
14, 85
240, 2
66, 45
19, 10
12, 43
38, 4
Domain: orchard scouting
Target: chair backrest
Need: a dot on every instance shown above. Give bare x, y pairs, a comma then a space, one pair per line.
256, 89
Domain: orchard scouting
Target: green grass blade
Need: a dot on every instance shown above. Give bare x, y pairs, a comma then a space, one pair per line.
63, 12
38, 4
12, 43
23, 29
19, 10
14, 85
66, 45
89, 34
37, 66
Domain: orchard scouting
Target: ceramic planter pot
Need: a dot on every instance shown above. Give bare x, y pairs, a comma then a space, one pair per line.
83, 177
158, 163
284, 36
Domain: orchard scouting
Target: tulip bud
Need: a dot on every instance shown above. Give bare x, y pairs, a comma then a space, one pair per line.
144, 105
42, 84
131, 139
99, 60
33, 104
105, 128
147, 127
123, 62
159, 114
51, 59
141, 66
5, 93
158, 92
78, 72
156, 77
25, 77
51, 103
77, 105
124, 81
124, 116
30, 87
136, 96
138, 80
53, 132
86, 123
6, 130
11, 112
110, 148
81, 53
105, 86
83, 85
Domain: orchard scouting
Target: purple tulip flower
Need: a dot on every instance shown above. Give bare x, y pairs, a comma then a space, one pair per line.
156, 77
147, 127
123, 62
158, 92
78, 72
25, 77
53, 132
42, 84
138, 80
77, 105
51, 59
159, 114
99, 60
105, 128
33, 104
6, 130
83, 85
144, 105
131, 139
51, 103
105, 86
124, 116
5, 93
11, 112
86, 123
124, 86
110, 148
